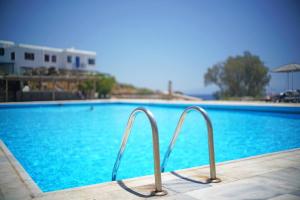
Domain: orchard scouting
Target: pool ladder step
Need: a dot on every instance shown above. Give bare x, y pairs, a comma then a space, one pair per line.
155, 140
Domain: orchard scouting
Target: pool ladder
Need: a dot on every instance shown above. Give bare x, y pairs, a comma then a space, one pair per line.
212, 164
155, 140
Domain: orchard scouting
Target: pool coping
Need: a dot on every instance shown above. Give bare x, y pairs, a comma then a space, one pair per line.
205, 102
35, 191
20, 171
292, 108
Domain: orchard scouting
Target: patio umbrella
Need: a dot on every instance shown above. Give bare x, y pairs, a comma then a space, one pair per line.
287, 69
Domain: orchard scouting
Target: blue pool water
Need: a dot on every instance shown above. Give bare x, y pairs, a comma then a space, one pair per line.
70, 146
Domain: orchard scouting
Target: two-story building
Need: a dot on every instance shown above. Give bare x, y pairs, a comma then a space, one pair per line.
19, 58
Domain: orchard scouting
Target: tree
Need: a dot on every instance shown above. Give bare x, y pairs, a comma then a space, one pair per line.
239, 76
86, 87
104, 84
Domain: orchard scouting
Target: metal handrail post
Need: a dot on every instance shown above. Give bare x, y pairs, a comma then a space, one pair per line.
212, 164
155, 140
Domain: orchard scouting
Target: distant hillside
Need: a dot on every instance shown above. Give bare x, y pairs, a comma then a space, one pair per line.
121, 88
204, 96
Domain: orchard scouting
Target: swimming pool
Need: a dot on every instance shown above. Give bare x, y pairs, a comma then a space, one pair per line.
70, 145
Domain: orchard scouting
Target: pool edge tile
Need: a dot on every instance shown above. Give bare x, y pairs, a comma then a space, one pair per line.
21, 172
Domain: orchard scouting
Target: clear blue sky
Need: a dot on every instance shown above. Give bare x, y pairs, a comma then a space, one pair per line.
148, 42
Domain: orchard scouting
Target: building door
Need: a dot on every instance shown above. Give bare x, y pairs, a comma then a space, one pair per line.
77, 61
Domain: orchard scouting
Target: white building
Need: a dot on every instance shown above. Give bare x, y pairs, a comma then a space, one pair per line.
17, 58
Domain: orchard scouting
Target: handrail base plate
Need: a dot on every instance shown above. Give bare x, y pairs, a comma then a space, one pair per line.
215, 180
159, 193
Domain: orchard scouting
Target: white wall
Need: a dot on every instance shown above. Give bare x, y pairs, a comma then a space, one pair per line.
48, 64
83, 60
8, 48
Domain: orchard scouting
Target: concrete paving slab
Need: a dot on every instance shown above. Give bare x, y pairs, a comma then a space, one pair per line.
286, 197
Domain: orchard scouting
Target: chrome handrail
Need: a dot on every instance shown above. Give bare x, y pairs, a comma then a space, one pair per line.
212, 164
155, 139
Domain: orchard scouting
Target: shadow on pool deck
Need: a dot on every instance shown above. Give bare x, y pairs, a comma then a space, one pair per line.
202, 179
137, 192
182, 184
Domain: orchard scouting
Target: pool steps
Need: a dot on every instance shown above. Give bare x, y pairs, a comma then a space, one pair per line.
155, 140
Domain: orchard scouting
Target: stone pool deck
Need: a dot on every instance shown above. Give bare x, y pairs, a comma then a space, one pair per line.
273, 176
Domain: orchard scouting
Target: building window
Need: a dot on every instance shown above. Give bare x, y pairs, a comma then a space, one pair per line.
91, 61
29, 56
2, 51
53, 58
69, 59
47, 58
12, 56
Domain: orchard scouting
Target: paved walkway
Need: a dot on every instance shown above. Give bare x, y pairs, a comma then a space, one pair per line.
273, 176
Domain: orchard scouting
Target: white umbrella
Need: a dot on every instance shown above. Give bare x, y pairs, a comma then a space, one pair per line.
287, 69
